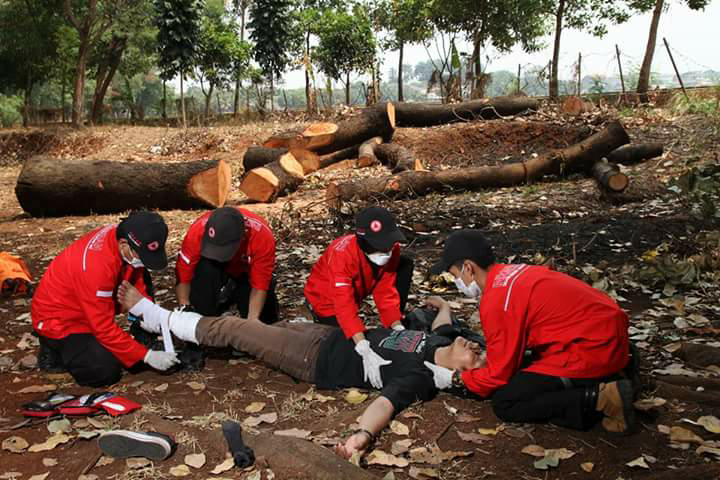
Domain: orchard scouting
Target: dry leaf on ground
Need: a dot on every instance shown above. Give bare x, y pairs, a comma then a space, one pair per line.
649, 403
561, 453
38, 389
488, 431
710, 422
88, 434
378, 457
255, 407
587, 466
41, 476
136, 463
683, 435
534, 450
195, 460
464, 418
104, 460
97, 423
50, 443
355, 397
180, 471
49, 462
401, 446
434, 455
59, 426
638, 462
197, 386
423, 473
707, 449
399, 428
264, 418
15, 444
473, 437
293, 432
223, 467
162, 387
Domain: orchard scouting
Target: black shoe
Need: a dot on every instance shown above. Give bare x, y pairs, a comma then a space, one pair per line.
192, 358
48, 360
126, 444
145, 338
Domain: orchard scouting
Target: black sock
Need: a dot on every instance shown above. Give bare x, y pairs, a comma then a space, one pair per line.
243, 456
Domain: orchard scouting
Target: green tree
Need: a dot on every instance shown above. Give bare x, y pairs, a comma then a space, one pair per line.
347, 44
592, 16
178, 24
406, 23
657, 6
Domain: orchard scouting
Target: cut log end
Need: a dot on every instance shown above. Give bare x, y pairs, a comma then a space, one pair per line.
618, 182
310, 161
260, 184
289, 163
391, 114
317, 135
212, 186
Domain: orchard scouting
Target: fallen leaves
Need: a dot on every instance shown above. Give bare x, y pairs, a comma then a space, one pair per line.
649, 403
180, 471
471, 437
401, 446
434, 456
710, 423
379, 457
59, 426
422, 473
50, 443
683, 435
399, 428
49, 462
587, 466
488, 431
195, 460
15, 444
162, 387
293, 432
136, 463
548, 457
255, 407
38, 389
264, 418
197, 386
355, 397
223, 467
638, 462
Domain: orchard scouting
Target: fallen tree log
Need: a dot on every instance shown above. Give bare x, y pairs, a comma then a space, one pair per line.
266, 183
609, 177
635, 153
258, 156
366, 153
54, 187
378, 120
397, 158
339, 156
581, 155
430, 114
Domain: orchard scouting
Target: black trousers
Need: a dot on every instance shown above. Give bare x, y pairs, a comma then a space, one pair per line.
536, 398
89, 363
213, 292
403, 280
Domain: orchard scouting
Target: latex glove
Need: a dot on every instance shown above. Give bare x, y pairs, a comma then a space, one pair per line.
161, 360
441, 376
371, 363
398, 326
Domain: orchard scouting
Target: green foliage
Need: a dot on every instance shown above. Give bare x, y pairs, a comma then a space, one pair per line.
178, 24
221, 54
405, 21
274, 34
10, 107
696, 103
593, 16
346, 43
700, 188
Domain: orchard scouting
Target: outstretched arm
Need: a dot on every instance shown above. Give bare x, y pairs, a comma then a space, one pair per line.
375, 417
443, 316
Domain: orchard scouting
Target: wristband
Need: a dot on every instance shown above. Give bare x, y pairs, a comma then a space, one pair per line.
369, 434
457, 381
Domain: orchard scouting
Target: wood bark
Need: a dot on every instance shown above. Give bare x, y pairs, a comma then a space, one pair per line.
581, 155
51, 187
265, 184
430, 114
105, 75
669, 390
609, 177
397, 158
258, 156
339, 156
366, 153
643, 82
553, 89
635, 153
324, 138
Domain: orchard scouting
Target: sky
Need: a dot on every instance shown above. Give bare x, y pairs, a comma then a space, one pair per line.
692, 35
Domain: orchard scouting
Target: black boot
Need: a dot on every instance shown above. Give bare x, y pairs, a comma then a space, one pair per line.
48, 360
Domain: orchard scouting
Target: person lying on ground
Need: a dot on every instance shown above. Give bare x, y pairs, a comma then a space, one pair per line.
321, 354
578, 336
355, 266
74, 307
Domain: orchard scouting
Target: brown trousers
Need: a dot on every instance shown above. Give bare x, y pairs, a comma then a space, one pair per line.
292, 348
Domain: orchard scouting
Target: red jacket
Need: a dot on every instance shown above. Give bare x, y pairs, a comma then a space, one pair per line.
342, 277
574, 330
77, 294
256, 254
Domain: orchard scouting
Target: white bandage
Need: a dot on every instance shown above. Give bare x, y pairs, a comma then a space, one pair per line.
151, 314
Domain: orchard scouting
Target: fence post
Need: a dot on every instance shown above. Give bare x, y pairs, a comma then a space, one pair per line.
667, 47
579, 74
622, 79
518, 79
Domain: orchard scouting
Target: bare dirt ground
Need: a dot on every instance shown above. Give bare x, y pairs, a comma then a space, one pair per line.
646, 250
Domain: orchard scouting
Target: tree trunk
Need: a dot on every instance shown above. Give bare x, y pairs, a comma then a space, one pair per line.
265, 184
208, 99
238, 78
477, 90
556, 50
324, 138
644, 75
63, 90
272, 93
182, 101
339, 156
105, 75
366, 152
51, 187
219, 105
164, 102
609, 177
310, 100
79, 84
347, 89
259, 156
581, 155
401, 98
430, 114
635, 153
397, 158
26, 102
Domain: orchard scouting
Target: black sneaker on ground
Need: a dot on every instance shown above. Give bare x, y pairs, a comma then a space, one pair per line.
147, 339
48, 360
126, 444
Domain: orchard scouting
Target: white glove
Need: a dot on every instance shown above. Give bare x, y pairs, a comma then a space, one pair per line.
161, 360
441, 376
371, 363
398, 326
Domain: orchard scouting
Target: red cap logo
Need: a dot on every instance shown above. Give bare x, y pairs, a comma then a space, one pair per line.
211, 232
153, 246
375, 226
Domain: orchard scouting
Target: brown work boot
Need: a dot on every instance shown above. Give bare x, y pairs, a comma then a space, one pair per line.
615, 400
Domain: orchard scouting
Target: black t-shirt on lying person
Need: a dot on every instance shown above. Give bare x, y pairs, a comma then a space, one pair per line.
405, 381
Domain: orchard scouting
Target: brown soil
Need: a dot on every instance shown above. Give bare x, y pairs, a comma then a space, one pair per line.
563, 223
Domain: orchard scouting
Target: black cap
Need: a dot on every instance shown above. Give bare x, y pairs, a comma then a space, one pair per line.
224, 231
378, 227
464, 245
146, 234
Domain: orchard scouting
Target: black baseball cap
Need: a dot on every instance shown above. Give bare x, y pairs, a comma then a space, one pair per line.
224, 231
379, 228
146, 233
464, 245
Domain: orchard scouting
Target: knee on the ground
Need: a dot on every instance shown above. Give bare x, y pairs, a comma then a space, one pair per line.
99, 375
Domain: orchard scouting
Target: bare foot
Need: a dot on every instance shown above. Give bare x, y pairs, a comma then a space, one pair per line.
128, 295
354, 443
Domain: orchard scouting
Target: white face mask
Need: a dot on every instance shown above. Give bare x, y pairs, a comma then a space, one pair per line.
379, 258
472, 290
135, 262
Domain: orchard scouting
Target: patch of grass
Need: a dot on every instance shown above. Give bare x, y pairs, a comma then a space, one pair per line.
696, 103
146, 473
163, 409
